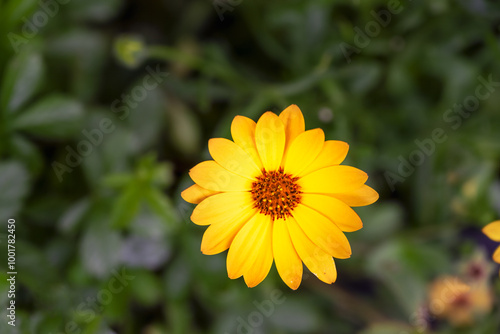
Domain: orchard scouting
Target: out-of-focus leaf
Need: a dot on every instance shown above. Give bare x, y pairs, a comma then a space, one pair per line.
384, 219
149, 225
126, 206
33, 262
144, 116
117, 180
110, 156
42, 323
417, 255
144, 252
45, 210
162, 174
389, 265
96, 326
95, 10
177, 279
161, 205
86, 50
495, 196
290, 314
99, 249
21, 81
28, 153
55, 117
146, 287
14, 186
361, 77
14, 11
74, 215
183, 128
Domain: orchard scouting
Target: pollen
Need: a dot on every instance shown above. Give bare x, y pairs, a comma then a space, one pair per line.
276, 194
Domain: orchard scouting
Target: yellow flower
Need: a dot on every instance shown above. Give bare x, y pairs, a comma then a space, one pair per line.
277, 192
492, 231
459, 303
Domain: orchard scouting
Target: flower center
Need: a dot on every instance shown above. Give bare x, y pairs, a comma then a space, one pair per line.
276, 194
476, 271
461, 300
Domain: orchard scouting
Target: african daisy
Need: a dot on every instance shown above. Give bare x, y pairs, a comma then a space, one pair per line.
492, 231
277, 192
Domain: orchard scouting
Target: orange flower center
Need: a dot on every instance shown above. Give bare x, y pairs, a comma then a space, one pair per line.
276, 194
462, 300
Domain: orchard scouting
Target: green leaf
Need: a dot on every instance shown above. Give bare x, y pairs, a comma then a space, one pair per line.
146, 287
14, 184
117, 180
21, 80
99, 249
74, 215
33, 261
29, 154
161, 205
86, 51
184, 129
389, 264
94, 10
56, 117
127, 206
14, 11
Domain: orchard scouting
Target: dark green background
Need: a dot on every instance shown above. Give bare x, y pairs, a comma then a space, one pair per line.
119, 207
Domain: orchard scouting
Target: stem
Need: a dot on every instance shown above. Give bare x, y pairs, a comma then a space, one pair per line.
350, 305
195, 62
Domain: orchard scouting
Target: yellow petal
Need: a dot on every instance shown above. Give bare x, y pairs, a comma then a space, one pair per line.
319, 262
243, 133
242, 254
333, 153
337, 211
322, 232
218, 236
232, 157
270, 140
222, 208
263, 262
294, 123
496, 255
195, 194
210, 175
361, 196
334, 179
304, 149
492, 230
287, 260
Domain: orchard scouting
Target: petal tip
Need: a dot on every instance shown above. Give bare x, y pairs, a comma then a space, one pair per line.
184, 195
294, 284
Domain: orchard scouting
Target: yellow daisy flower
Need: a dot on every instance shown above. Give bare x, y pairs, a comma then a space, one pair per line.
492, 231
461, 304
277, 192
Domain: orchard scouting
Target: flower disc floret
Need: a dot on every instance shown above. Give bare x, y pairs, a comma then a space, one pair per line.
276, 194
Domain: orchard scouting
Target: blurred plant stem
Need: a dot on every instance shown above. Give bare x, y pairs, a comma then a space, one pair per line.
230, 77
303, 84
353, 307
205, 66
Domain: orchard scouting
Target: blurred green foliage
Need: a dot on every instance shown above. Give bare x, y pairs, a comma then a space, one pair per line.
74, 72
